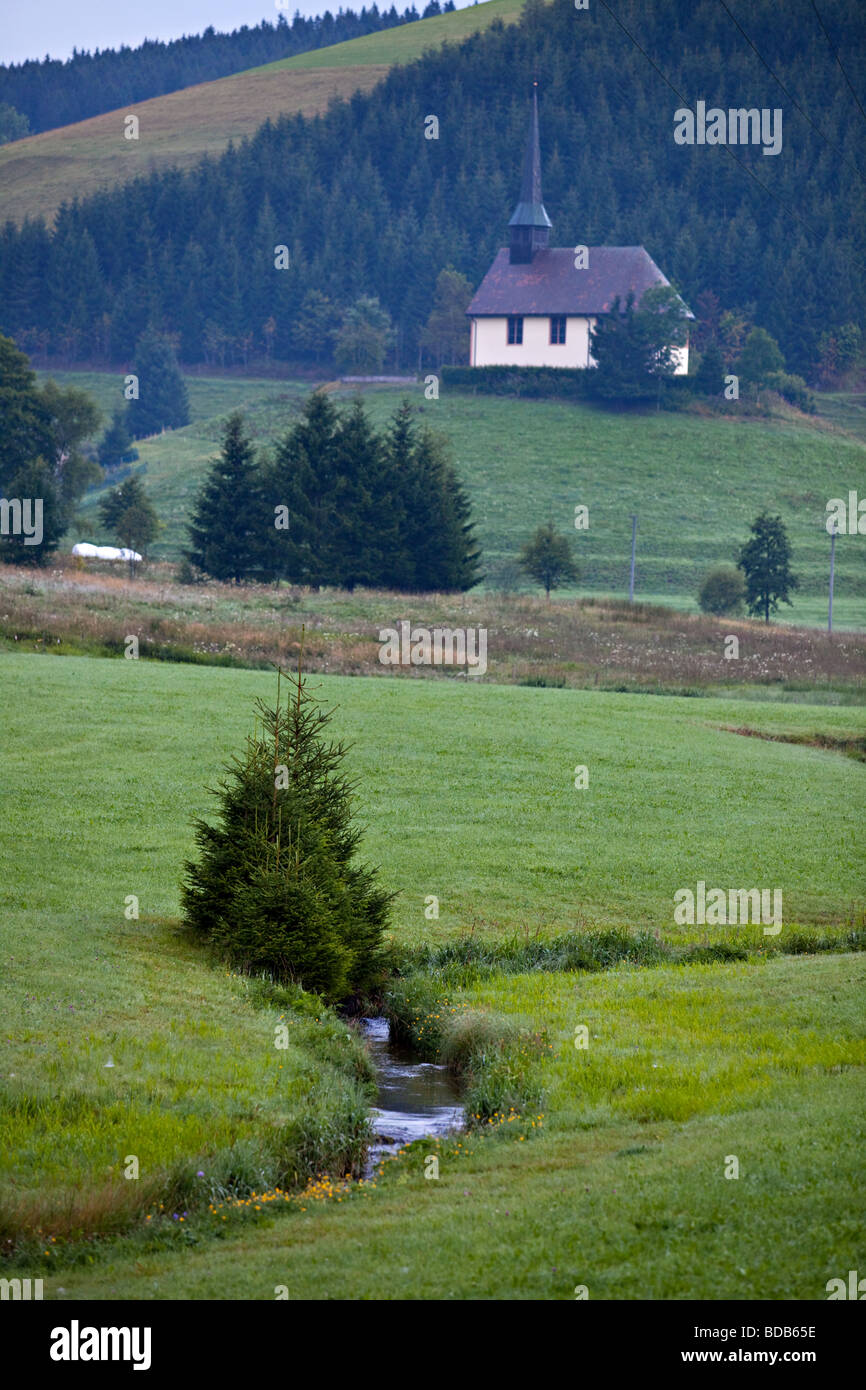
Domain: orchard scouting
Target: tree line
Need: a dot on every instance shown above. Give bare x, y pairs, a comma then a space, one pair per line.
336, 503
50, 92
366, 206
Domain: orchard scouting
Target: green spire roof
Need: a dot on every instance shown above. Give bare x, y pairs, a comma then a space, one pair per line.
530, 210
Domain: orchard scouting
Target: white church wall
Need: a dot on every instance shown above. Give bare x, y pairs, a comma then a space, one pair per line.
491, 348
681, 357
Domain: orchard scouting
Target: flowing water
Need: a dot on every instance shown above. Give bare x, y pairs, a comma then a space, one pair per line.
415, 1100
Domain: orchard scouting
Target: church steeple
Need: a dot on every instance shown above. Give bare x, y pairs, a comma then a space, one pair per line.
530, 224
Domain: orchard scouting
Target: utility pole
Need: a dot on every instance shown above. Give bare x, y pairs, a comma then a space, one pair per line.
832, 577
631, 576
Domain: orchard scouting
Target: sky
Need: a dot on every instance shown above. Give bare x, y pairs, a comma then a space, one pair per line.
55, 27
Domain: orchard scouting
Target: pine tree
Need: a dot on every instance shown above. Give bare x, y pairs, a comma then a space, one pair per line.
116, 445
162, 400
439, 532
765, 562
633, 347
621, 352
277, 886
398, 483
363, 520
302, 478
230, 525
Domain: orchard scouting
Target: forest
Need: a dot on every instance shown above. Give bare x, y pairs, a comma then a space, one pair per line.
365, 205
50, 92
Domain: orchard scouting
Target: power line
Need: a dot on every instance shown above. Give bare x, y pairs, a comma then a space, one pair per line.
838, 59
789, 95
680, 97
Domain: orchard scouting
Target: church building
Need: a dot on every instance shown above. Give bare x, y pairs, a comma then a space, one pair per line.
537, 303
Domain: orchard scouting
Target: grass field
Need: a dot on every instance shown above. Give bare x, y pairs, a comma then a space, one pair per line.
626, 1206
672, 797
38, 173
695, 483
621, 1186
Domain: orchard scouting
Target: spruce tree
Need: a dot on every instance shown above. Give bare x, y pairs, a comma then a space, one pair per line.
230, 525
302, 477
440, 533
162, 400
116, 445
765, 562
277, 886
363, 519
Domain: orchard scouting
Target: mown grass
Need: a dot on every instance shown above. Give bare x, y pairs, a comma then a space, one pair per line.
619, 1185
695, 483
467, 793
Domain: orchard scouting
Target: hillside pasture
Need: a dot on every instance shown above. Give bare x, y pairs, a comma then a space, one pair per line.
694, 482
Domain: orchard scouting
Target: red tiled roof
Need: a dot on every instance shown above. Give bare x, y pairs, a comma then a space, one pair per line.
549, 284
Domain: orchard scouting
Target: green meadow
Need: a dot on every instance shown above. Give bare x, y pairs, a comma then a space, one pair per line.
695, 483
626, 1198
405, 43
467, 793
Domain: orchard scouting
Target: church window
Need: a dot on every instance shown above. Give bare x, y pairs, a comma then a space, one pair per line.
515, 328
557, 328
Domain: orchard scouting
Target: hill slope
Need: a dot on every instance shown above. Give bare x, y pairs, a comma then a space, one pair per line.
367, 205
52, 92
39, 173
695, 483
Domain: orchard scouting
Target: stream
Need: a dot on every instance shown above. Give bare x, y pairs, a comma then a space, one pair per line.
415, 1099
